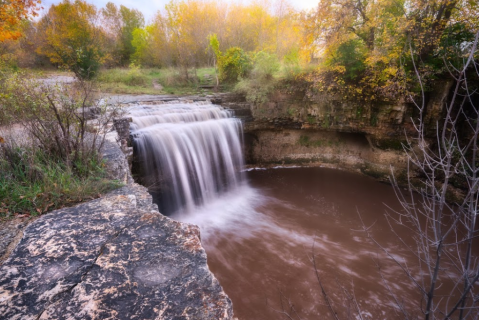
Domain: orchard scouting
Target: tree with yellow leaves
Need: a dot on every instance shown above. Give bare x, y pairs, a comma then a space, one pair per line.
370, 44
72, 37
179, 35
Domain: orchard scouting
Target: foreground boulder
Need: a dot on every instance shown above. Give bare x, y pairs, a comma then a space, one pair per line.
115, 257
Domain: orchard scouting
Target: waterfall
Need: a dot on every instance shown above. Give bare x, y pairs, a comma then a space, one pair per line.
188, 153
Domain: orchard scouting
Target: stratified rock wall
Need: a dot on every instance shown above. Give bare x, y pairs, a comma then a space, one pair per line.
304, 127
327, 112
383, 122
349, 151
115, 257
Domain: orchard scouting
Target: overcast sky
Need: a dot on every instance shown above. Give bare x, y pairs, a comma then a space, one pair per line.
150, 7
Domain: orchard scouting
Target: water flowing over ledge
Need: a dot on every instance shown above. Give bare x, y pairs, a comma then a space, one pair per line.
188, 154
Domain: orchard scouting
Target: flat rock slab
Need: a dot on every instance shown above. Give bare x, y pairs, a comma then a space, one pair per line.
115, 257
10, 230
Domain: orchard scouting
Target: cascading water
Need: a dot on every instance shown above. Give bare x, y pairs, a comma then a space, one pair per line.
188, 153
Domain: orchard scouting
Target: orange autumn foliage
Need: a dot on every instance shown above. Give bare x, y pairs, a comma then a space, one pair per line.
12, 12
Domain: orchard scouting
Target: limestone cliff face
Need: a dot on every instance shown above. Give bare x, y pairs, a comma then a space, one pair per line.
326, 112
115, 257
303, 127
321, 148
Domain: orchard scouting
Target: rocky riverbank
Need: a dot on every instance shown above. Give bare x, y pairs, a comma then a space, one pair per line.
114, 257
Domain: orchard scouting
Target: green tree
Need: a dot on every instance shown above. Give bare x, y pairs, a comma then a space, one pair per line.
120, 24
350, 56
234, 64
131, 19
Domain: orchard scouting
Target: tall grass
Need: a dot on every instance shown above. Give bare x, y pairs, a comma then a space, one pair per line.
127, 77
32, 181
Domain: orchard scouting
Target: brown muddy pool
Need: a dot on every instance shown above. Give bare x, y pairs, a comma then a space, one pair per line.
260, 239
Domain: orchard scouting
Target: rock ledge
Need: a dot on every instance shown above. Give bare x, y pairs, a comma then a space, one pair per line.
115, 257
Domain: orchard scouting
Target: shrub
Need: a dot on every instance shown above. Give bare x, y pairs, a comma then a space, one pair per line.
234, 64
172, 77
256, 90
58, 119
135, 77
260, 82
58, 161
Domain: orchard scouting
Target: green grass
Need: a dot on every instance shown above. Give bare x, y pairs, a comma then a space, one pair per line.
257, 87
143, 80
32, 183
136, 80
